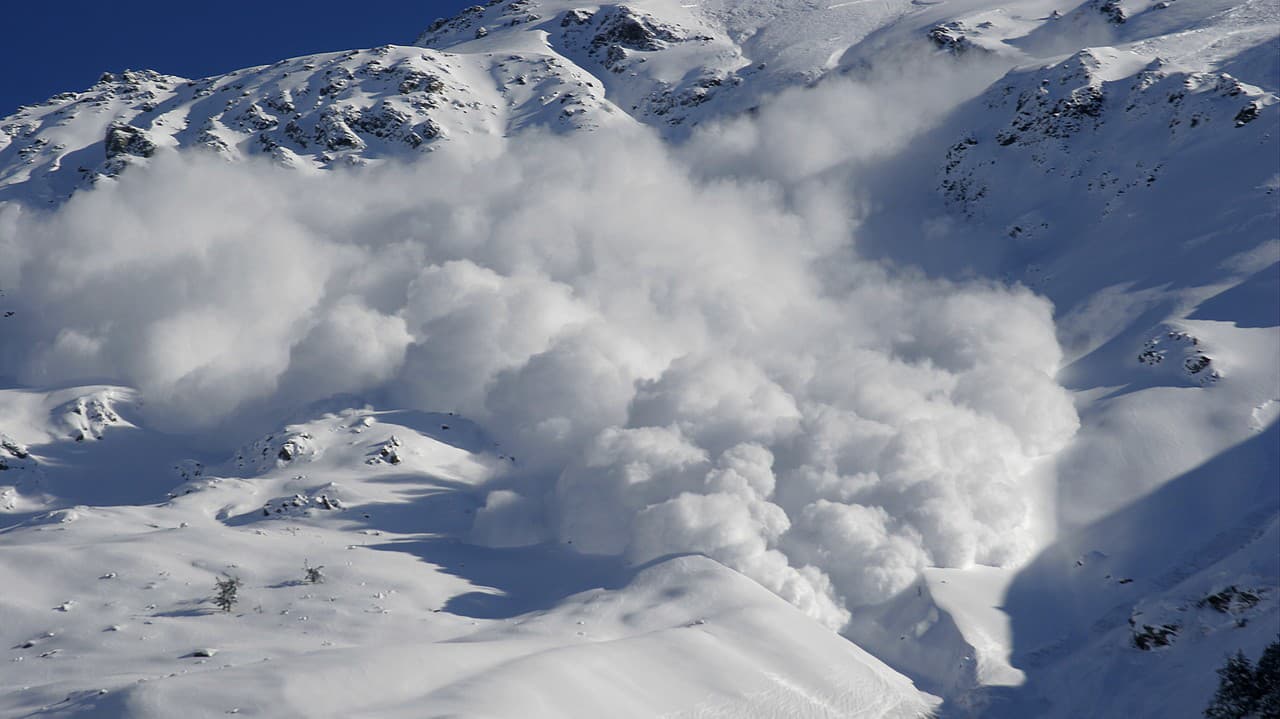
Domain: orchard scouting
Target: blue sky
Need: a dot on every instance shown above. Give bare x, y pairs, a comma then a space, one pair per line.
48, 47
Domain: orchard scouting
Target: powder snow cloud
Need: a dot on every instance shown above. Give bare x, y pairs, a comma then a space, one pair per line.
685, 357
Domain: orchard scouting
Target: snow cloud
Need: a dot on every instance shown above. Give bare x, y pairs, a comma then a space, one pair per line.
681, 345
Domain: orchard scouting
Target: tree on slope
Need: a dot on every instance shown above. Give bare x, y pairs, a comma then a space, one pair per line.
227, 590
1246, 691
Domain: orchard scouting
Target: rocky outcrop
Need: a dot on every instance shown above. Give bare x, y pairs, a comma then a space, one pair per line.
14, 454
276, 450
618, 36
1111, 10
89, 417
1159, 623
474, 22
387, 453
301, 505
953, 38
124, 139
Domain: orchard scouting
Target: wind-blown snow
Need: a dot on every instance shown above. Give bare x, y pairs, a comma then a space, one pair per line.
677, 363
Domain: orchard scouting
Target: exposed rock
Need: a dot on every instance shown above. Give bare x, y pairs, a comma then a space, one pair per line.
1147, 637
14, 454
1111, 10
275, 451
951, 37
255, 118
419, 81
388, 453
301, 505
13, 448
576, 17
622, 26
1197, 365
87, 418
1231, 600
124, 139
619, 36
333, 132
1247, 114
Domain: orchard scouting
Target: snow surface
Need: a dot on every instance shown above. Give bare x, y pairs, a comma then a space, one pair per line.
113, 618
695, 331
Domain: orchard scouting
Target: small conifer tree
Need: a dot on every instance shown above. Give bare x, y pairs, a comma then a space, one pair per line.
1245, 691
227, 590
1266, 676
313, 574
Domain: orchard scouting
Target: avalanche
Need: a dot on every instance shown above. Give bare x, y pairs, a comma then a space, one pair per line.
745, 359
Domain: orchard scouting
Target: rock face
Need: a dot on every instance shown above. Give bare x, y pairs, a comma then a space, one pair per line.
1182, 351
953, 38
276, 450
88, 417
14, 454
632, 51
618, 29
1157, 624
128, 140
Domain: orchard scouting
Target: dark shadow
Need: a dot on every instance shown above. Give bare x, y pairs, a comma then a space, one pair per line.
436, 513
523, 579
288, 583
194, 612
93, 704
1117, 359
1255, 302
1257, 64
121, 468
1190, 523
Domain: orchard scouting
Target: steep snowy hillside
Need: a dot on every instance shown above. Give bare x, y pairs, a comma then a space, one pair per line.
624, 351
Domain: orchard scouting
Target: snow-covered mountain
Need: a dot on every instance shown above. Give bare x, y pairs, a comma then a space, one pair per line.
720, 359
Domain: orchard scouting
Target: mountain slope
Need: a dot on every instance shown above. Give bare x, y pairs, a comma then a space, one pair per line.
115, 619
802, 341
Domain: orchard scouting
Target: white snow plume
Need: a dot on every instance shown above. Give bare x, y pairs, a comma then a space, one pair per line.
845, 123
680, 363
